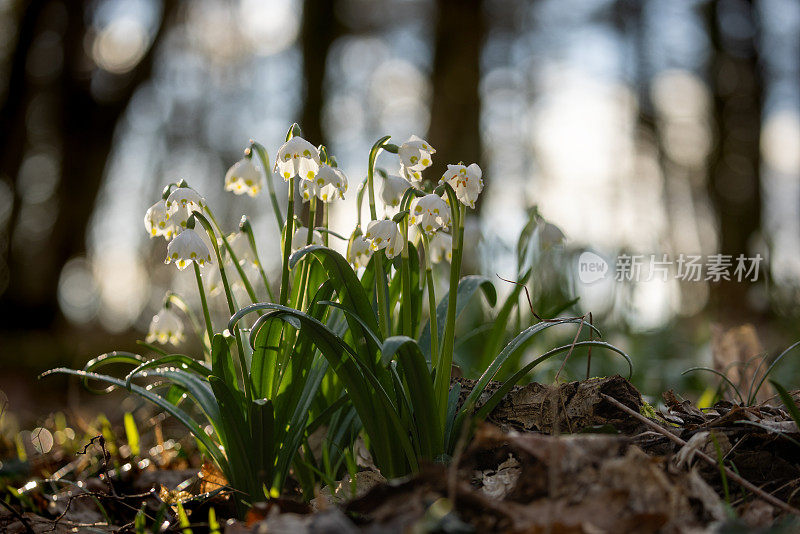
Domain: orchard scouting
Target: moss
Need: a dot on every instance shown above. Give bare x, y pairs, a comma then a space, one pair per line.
647, 410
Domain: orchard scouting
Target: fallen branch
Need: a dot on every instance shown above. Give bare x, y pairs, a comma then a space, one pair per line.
708, 459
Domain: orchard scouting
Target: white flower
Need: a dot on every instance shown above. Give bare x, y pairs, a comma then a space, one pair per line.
415, 154
550, 235
393, 189
328, 183
157, 221
415, 177
430, 213
466, 181
184, 198
300, 238
165, 327
187, 247
240, 244
441, 247
244, 177
359, 252
297, 157
385, 235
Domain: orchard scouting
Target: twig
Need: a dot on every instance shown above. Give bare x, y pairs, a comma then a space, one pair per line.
708, 459
22, 519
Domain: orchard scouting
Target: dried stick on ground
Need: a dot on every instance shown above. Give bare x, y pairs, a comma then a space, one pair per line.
708, 459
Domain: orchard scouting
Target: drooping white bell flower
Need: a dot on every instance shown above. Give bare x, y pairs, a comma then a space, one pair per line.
466, 181
550, 235
244, 177
415, 177
415, 154
359, 252
158, 223
430, 212
393, 190
165, 327
329, 183
300, 238
297, 157
385, 235
187, 247
441, 247
184, 198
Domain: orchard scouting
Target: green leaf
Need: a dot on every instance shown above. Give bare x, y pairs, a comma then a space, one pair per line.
357, 378
109, 358
510, 350
131, 433
237, 442
162, 403
221, 360
419, 385
346, 283
788, 401
498, 395
262, 430
184, 361
467, 287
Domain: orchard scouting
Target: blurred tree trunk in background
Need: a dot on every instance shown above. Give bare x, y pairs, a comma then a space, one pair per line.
735, 160
70, 112
320, 29
455, 109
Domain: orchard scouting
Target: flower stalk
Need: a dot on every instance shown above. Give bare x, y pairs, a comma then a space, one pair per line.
442, 381
434, 327
231, 304
380, 275
261, 152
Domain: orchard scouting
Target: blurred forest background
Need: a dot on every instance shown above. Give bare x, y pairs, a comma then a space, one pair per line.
646, 127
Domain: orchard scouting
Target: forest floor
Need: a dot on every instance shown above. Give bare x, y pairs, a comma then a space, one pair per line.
577, 457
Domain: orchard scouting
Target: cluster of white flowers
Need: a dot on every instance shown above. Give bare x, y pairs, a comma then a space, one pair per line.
168, 218
321, 179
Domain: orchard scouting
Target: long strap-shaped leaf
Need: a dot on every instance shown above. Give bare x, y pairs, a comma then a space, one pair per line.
161, 402
501, 392
238, 445
346, 364
185, 362
467, 287
347, 284
420, 389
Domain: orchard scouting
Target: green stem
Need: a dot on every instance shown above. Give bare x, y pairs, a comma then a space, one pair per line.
380, 275
304, 274
442, 380
248, 287
231, 304
406, 281
325, 235
287, 245
204, 303
178, 302
252, 240
434, 327
276, 208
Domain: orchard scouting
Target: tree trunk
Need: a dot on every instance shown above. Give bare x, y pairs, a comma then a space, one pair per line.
734, 163
455, 111
80, 128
